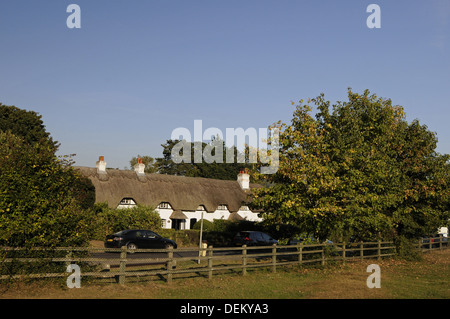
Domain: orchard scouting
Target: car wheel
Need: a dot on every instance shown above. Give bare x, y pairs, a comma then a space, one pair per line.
168, 246
131, 248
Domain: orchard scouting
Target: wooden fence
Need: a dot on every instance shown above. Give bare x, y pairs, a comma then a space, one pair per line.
120, 264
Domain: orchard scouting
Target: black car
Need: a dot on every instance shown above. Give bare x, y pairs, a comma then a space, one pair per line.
138, 239
253, 238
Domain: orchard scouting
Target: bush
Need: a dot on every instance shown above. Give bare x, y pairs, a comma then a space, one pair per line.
407, 249
110, 220
185, 237
207, 225
41, 199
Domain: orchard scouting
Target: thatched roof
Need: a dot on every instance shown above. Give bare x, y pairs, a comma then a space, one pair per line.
182, 193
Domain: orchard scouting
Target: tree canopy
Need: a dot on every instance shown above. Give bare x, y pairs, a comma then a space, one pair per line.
41, 197
216, 169
25, 124
357, 169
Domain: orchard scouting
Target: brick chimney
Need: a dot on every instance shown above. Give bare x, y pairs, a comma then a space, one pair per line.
139, 167
101, 165
243, 179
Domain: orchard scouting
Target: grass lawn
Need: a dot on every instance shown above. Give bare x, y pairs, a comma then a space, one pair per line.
426, 279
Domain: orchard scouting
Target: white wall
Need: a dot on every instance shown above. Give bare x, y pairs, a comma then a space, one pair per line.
165, 213
217, 214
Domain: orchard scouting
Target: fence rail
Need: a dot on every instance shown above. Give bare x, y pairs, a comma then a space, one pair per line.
119, 264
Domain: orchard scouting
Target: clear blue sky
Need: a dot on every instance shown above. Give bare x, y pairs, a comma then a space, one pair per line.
136, 70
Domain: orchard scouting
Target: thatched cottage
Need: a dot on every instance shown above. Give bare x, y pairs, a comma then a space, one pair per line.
180, 200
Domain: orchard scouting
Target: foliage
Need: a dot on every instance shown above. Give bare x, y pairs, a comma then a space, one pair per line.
195, 168
148, 161
41, 197
407, 249
359, 169
109, 220
38, 205
207, 225
25, 124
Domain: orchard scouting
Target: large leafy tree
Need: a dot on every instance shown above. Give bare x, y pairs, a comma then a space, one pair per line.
41, 197
25, 124
357, 169
218, 168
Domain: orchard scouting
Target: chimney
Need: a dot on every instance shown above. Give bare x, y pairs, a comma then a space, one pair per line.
139, 167
101, 165
243, 179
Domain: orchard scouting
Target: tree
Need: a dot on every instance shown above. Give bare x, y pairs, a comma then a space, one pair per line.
148, 161
26, 124
215, 169
357, 170
41, 197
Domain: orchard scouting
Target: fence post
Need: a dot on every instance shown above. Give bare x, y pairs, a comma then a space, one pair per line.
274, 258
300, 253
210, 262
244, 260
343, 252
440, 242
361, 249
379, 250
323, 254
169, 264
123, 262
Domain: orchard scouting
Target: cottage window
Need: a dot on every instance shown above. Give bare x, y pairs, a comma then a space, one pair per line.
164, 205
222, 207
127, 202
201, 207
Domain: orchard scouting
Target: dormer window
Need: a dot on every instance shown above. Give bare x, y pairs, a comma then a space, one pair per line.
201, 208
222, 207
164, 205
127, 202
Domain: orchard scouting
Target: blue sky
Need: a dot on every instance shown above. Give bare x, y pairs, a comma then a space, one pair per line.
136, 70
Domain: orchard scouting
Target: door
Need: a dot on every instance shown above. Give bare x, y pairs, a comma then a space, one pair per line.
267, 239
259, 241
178, 224
140, 239
192, 223
153, 240
146, 239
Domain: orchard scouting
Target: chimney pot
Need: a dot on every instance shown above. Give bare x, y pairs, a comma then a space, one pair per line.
243, 179
101, 165
139, 168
